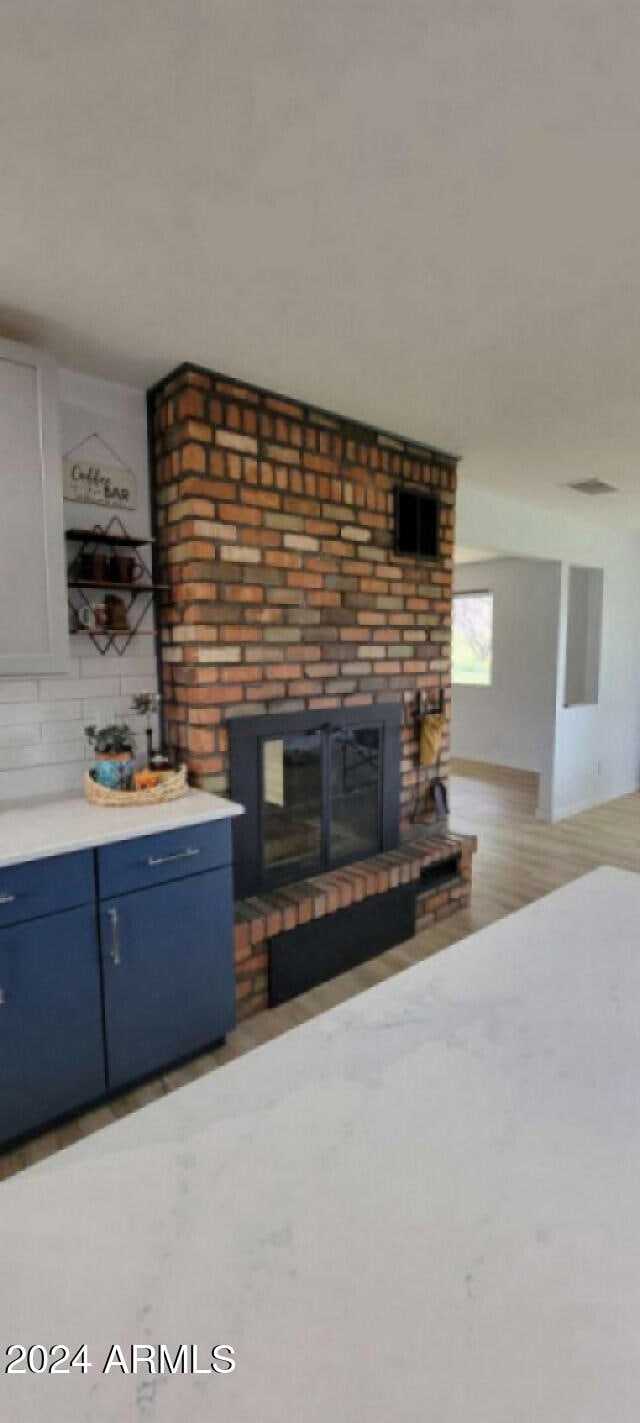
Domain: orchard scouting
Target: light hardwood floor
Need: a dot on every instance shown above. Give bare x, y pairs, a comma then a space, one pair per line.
518, 860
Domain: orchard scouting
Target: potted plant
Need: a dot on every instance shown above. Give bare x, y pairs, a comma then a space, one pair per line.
114, 742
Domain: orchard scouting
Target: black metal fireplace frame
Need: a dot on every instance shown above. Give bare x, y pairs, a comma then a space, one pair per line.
246, 734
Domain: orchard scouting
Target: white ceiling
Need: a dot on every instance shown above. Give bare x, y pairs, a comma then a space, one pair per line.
425, 214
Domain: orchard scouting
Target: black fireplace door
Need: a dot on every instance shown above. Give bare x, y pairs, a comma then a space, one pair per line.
316, 795
355, 793
292, 805
321, 795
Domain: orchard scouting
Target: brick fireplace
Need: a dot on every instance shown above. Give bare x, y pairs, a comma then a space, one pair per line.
277, 531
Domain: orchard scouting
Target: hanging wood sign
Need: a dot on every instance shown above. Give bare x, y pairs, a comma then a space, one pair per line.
87, 482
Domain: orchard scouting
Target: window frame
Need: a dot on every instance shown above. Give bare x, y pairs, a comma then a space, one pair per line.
474, 593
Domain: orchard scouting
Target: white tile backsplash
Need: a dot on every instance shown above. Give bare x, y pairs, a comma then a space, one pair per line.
59, 689
106, 708
42, 754
20, 735
127, 666
131, 685
41, 780
62, 730
12, 690
42, 746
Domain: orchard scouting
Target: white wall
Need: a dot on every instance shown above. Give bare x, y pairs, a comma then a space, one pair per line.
512, 722
596, 755
42, 747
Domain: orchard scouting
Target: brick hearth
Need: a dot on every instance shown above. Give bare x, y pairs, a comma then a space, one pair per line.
261, 918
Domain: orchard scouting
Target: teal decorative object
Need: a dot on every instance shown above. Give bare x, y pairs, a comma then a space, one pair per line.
113, 774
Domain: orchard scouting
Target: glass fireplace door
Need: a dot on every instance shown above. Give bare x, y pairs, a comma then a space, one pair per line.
292, 805
321, 800
320, 786
355, 797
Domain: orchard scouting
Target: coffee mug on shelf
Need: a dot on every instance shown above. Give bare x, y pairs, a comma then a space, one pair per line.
85, 618
92, 617
95, 567
125, 568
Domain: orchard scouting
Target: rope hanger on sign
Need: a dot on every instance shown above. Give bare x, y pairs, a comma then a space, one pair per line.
105, 444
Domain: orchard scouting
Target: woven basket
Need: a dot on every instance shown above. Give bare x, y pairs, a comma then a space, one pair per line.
172, 786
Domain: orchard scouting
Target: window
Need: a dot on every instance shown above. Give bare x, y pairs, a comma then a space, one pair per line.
417, 522
472, 640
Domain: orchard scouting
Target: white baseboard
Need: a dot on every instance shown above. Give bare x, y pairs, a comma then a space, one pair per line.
578, 807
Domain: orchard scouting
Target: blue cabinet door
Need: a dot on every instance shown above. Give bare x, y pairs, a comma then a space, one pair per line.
168, 972
51, 1038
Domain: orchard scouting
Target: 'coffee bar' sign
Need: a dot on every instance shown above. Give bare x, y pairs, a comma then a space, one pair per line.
89, 483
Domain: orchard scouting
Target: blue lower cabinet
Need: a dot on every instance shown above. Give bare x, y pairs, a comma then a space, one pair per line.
94, 995
168, 972
51, 1041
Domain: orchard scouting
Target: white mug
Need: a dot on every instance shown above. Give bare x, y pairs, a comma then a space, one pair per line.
93, 618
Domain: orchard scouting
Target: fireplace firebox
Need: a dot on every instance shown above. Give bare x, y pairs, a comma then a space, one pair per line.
320, 788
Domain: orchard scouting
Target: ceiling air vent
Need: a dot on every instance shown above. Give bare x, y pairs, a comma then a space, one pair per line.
593, 486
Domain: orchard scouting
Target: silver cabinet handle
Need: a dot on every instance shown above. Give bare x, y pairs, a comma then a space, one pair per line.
115, 936
7, 898
3, 997
154, 860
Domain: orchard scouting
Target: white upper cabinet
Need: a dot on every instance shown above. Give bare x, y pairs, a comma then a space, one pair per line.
33, 605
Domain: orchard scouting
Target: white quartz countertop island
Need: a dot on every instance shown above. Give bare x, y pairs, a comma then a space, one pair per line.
421, 1207
37, 829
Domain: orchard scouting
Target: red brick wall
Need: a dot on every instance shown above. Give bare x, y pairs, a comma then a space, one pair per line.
275, 532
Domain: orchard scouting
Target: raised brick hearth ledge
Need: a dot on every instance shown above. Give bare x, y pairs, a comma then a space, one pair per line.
260, 918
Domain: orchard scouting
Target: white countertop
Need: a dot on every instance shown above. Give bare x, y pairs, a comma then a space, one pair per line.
36, 829
423, 1205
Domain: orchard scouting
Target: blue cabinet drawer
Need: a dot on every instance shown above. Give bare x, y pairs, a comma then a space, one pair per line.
154, 859
39, 887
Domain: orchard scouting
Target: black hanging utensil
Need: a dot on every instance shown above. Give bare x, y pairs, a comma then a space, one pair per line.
440, 795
